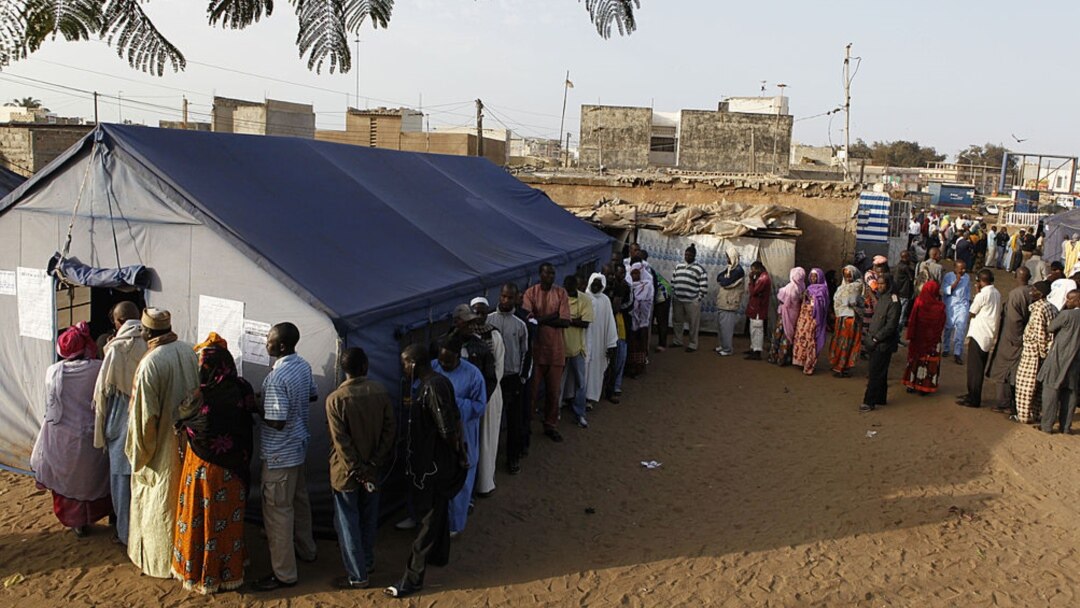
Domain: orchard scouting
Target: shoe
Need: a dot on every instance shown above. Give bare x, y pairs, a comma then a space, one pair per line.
553, 435
614, 399
486, 494
966, 403
455, 534
866, 408
676, 343
958, 360
344, 582
400, 590
1001, 409
718, 350
910, 390
406, 524
749, 352
582, 422
514, 468
81, 531
724, 353
690, 349
589, 405
753, 356
270, 583
307, 560
660, 349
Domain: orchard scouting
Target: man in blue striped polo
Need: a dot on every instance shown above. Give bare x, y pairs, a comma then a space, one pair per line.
288, 391
690, 283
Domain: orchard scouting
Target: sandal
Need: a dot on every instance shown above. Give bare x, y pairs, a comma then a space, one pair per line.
400, 590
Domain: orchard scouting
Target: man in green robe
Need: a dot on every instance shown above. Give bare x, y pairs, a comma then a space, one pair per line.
166, 380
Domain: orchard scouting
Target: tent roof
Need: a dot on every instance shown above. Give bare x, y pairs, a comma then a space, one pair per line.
9, 180
361, 233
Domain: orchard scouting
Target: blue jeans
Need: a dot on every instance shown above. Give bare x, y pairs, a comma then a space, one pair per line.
356, 517
119, 466
620, 364
575, 374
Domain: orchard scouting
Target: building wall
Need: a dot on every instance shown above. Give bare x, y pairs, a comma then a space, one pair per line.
269, 118
26, 149
734, 142
455, 144
620, 135
823, 209
290, 119
188, 126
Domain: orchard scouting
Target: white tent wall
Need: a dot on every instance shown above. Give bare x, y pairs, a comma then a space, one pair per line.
187, 259
665, 252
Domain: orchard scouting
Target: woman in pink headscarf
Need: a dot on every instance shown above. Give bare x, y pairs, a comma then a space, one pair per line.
790, 297
810, 327
64, 459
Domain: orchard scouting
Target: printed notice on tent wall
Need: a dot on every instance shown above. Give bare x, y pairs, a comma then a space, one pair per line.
226, 318
7, 282
36, 303
253, 342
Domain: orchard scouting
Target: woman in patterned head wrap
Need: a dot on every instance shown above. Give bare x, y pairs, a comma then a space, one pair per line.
216, 444
810, 328
64, 459
847, 334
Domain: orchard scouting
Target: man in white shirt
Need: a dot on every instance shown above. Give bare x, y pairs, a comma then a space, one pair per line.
913, 232
985, 318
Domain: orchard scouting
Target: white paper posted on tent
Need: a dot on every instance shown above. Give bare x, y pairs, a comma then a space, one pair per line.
7, 282
226, 317
36, 303
253, 342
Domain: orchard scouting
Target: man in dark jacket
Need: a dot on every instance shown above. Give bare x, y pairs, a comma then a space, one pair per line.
884, 335
905, 284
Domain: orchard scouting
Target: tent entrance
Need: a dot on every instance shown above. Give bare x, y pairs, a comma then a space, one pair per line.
75, 303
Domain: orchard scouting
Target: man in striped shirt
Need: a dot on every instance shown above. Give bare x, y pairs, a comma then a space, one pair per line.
690, 284
288, 390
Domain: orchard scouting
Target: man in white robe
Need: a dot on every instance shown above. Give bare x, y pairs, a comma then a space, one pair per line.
166, 379
601, 339
492, 420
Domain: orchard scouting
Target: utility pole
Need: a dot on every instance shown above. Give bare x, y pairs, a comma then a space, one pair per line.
847, 112
567, 162
120, 107
565, 90
356, 66
96, 121
185, 112
479, 127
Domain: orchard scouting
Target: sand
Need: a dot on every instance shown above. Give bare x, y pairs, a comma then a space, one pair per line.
770, 493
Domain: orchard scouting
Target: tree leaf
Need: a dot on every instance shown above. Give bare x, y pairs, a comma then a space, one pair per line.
12, 31
238, 14
126, 27
322, 34
72, 19
604, 13
356, 11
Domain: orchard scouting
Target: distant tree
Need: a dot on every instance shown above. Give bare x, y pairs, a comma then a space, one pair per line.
986, 154
860, 149
323, 33
26, 102
903, 153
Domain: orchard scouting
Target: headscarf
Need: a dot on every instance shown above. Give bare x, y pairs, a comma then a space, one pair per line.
880, 260
818, 291
1059, 289
790, 297
76, 343
219, 430
927, 321
122, 356
849, 289
592, 279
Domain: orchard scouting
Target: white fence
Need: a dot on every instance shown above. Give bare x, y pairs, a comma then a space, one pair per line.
1024, 219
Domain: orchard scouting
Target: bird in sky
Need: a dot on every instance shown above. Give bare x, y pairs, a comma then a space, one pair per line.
1018, 140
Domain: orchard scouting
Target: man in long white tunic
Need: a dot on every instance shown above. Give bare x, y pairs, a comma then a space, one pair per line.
492, 421
166, 379
601, 338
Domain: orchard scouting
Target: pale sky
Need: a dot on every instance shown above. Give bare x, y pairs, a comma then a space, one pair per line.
944, 73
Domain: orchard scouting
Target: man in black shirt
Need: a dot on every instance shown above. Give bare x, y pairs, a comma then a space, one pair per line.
883, 338
905, 284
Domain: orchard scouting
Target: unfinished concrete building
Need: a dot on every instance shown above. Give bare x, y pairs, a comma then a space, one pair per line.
713, 141
270, 117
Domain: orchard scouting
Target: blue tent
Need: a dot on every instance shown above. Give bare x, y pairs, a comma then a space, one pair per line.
357, 246
9, 180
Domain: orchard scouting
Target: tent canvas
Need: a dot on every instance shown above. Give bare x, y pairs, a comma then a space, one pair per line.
9, 180
356, 246
1058, 229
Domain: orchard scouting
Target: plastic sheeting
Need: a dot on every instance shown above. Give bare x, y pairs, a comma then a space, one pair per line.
1058, 228
125, 277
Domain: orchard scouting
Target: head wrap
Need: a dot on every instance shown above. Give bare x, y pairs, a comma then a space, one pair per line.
818, 291
479, 300
1058, 290
926, 322
76, 342
790, 297
156, 319
212, 340
733, 257
880, 260
592, 278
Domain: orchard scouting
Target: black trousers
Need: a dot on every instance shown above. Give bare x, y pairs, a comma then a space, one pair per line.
513, 393
1058, 405
976, 372
662, 313
432, 544
877, 386
1007, 395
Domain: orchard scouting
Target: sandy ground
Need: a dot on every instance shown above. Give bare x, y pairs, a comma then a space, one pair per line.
770, 494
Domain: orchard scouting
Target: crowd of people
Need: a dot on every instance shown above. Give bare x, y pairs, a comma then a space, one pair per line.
158, 434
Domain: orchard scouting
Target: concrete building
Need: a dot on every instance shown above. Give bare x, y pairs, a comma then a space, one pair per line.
189, 125
37, 116
720, 141
26, 148
402, 129
270, 117
535, 147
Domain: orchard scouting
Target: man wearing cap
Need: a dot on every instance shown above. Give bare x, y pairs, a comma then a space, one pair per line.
492, 420
691, 283
475, 349
166, 379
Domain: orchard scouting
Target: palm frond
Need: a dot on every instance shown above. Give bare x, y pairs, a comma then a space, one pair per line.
127, 28
72, 19
238, 14
604, 13
356, 11
322, 34
12, 31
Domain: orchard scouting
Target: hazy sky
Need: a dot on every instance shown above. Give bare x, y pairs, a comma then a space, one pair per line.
944, 73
